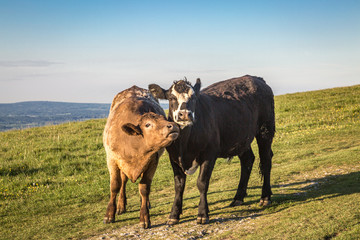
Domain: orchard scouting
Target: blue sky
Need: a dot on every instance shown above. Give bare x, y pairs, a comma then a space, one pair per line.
87, 51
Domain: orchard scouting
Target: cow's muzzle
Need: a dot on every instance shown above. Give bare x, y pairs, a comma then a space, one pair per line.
173, 131
185, 116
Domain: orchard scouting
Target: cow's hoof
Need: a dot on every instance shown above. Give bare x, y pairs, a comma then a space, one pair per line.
121, 211
236, 203
265, 202
172, 221
108, 220
145, 225
202, 220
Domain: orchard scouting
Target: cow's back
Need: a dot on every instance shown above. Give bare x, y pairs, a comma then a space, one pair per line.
244, 88
137, 94
240, 107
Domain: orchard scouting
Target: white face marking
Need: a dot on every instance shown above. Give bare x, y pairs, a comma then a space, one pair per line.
182, 98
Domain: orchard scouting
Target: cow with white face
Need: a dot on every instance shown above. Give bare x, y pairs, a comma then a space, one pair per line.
182, 99
220, 121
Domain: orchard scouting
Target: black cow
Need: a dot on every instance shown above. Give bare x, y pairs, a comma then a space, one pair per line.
220, 121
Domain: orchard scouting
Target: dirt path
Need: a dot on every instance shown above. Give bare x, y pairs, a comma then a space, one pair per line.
185, 230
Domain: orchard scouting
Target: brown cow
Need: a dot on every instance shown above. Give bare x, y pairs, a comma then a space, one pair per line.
134, 138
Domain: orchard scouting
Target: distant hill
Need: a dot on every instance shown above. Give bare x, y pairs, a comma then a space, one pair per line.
33, 114
39, 113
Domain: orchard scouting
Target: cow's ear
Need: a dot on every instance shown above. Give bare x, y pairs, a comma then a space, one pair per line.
131, 129
157, 91
197, 86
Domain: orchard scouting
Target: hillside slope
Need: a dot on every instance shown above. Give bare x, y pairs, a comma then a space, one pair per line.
54, 181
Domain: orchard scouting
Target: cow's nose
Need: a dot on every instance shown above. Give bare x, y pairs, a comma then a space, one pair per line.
190, 116
185, 116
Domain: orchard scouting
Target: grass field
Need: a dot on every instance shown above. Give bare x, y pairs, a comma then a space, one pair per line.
55, 185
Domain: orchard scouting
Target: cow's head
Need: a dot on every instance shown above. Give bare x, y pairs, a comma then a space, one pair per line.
182, 98
156, 131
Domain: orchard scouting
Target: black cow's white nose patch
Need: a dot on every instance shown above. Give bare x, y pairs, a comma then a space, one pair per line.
182, 115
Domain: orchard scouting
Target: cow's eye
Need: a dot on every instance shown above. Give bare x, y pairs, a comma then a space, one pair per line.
147, 125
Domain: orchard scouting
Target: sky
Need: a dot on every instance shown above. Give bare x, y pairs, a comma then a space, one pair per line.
88, 51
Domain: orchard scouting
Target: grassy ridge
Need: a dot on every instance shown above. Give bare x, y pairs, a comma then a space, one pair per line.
54, 181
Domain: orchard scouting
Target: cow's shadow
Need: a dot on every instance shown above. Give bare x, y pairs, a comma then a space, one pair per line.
316, 189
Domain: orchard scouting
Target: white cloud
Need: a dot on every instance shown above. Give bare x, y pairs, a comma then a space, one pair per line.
27, 63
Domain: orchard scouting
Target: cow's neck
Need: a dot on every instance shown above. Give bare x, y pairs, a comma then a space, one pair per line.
181, 150
144, 158
181, 147
149, 152
184, 139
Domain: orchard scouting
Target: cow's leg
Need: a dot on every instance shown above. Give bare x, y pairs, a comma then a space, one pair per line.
121, 206
246, 160
115, 182
179, 179
266, 155
144, 190
206, 169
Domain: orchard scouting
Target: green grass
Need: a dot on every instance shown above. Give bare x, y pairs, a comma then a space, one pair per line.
55, 185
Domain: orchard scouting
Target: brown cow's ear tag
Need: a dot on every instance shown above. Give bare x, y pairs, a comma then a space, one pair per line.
131, 129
